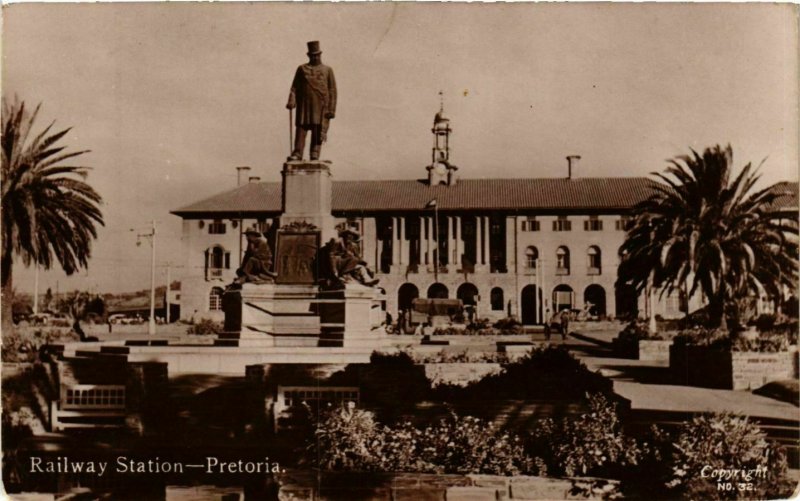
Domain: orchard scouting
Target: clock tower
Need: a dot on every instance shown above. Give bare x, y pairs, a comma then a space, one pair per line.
441, 171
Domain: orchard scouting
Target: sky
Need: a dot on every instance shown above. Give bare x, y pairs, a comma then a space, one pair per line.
170, 98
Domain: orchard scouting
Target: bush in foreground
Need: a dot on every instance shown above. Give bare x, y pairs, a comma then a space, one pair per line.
350, 439
23, 345
592, 444
720, 445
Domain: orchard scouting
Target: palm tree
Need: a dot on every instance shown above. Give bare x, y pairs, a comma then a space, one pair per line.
49, 213
705, 230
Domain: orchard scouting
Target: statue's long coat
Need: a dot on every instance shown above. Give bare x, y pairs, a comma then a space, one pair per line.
314, 93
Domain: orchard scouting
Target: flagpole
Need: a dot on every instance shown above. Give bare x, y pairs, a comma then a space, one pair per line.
436, 234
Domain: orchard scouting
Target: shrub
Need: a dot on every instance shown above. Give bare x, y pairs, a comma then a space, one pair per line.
347, 439
765, 322
469, 445
21, 345
788, 330
636, 331
205, 327
461, 356
475, 330
479, 324
510, 324
727, 443
703, 336
545, 373
397, 359
791, 307
670, 324
350, 439
592, 444
764, 343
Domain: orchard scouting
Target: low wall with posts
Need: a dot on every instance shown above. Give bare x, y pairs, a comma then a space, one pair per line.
308, 486
712, 368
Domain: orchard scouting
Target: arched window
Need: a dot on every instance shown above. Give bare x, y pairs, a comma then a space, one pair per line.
595, 260
562, 261
531, 256
467, 293
496, 298
218, 258
215, 299
562, 298
438, 291
406, 294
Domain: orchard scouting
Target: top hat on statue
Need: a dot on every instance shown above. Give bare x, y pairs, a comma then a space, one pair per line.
350, 232
313, 48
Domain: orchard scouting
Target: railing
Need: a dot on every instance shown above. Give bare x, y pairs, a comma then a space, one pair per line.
562, 271
313, 396
82, 403
214, 273
93, 396
591, 270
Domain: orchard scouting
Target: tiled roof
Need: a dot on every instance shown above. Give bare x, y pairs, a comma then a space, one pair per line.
409, 195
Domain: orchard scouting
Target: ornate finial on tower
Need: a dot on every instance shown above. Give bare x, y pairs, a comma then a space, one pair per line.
441, 102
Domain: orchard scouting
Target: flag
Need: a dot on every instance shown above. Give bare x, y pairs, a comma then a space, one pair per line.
430, 204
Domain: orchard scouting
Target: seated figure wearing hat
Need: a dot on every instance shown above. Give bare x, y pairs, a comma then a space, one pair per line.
345, 259
256, 262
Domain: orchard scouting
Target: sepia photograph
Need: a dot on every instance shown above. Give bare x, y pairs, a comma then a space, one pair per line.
313, 251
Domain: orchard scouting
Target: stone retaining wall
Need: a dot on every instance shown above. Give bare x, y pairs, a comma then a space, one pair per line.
308, 486
710, 368
654, 350
753, 370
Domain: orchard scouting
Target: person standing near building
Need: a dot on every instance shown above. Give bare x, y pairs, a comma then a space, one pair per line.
564, 324
547, 322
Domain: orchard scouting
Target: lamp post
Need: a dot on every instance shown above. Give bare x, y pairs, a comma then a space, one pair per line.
151, 324
652, 325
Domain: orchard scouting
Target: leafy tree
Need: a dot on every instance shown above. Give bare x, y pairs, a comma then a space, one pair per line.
704, 229
721, 448
78, 306
49, 213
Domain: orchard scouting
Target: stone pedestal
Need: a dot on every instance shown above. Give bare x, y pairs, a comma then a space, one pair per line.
307, 195
271, 315
352, 317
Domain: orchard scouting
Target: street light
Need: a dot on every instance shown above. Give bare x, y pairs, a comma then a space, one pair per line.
151, 324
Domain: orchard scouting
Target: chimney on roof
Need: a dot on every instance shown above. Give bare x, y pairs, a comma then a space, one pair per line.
572, 163
253, 179
241, 173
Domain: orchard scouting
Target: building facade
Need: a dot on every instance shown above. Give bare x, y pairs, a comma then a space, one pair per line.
510, 247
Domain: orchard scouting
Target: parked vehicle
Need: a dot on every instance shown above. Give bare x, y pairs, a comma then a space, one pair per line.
122, 319
41, 319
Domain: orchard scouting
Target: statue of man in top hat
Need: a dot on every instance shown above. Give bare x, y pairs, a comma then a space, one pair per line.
314, 95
